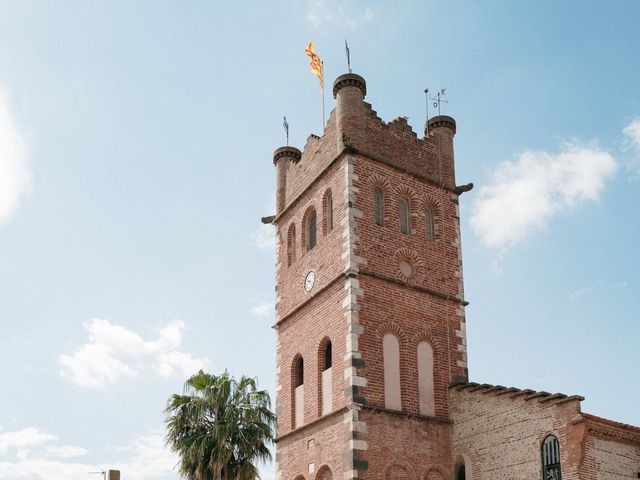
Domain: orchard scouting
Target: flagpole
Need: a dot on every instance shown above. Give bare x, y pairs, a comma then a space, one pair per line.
323, 116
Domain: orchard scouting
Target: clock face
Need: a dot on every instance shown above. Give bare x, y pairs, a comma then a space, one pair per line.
309, 281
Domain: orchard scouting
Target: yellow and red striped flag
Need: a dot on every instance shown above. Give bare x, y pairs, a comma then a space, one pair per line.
316, 63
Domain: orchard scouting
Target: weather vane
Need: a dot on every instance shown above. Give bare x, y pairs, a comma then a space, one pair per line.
285, 124
438, 98
346, 47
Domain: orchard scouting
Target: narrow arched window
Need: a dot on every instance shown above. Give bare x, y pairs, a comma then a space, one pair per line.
299, 373
426, 393
326, 383
297, 378
311, 230
428, 220
461, 475
291, 244
378, 206
404, 216
328, 212
327, 356
391, 360
551, 458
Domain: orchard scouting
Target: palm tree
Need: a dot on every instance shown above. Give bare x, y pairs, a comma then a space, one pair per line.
220, 427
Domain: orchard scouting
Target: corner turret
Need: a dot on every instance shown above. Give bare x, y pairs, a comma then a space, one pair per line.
283, 157
441, 130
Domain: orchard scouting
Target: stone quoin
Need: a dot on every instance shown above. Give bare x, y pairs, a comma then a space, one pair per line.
372, 379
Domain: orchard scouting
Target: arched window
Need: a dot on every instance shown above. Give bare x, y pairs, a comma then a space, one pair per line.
324, 473
378, 206
297, 377
328, 212
311, 230
426, 394
405, 226
299, 374
326, 382
428, 220
461, 474
327, 356
551, 458
391, 359
291, 244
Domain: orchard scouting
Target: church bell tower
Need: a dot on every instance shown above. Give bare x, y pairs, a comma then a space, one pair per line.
370, 304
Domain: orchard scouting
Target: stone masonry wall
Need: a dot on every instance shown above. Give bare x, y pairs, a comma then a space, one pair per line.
500, 436
612, 460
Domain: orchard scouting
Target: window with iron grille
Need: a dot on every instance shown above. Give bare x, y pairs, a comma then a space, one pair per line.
311, 231
428, 218
404, 216
551, 458
378, 206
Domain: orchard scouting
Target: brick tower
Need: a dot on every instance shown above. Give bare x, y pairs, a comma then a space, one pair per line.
370, 307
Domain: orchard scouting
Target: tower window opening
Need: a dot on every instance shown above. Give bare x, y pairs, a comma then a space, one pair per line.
551, 458
299, 373
325, 374
378, 206
404, 216
461, 473
328, 212
312, 230
297, 398
327, 356
428, 220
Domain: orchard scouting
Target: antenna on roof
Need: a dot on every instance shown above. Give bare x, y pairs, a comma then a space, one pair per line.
346, 48
285, 124
438, 99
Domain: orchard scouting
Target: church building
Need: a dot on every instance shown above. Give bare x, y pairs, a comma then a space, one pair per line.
372, 379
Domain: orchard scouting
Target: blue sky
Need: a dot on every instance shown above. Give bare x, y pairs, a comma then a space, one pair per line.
135, 163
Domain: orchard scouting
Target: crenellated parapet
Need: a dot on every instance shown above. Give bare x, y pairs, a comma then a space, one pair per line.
355, 128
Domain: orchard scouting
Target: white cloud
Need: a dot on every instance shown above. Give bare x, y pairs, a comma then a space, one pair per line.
183, 363
23, 439
151, 458
264, 237
632, 140
146, 457
65, 451
526, 193
15, 174
352, 14
113, 352
263, 309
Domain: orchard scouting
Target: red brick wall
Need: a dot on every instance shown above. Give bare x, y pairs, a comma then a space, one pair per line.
325, 258
419, 447
303, 335
412, 316
320, 444
360, 292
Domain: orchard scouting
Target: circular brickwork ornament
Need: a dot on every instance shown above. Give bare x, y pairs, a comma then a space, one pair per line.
406, 269
411, 268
